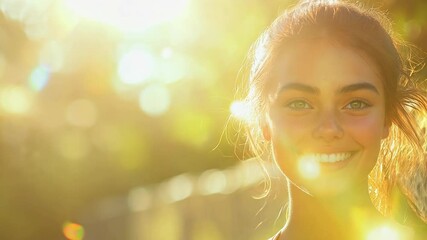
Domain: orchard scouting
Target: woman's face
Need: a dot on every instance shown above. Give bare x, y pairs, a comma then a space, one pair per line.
326, 116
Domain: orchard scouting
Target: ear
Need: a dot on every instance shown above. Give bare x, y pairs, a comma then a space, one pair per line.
266, 132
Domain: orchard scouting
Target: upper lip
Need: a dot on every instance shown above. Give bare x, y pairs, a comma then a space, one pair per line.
331, 152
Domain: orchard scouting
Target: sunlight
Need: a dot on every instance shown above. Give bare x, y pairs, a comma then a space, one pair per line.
167, 53
128, 15
383, 233
308, 167
240, 110
136, 65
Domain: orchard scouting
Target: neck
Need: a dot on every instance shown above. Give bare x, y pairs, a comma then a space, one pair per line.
335, 217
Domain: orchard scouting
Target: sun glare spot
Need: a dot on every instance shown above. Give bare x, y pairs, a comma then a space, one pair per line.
154, 100
136, 66
308, 167
240, 110
383, 233
129, 16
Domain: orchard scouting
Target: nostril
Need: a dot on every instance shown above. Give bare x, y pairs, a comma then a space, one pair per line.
328, 129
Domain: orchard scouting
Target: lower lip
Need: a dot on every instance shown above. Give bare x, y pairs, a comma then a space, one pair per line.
333, 166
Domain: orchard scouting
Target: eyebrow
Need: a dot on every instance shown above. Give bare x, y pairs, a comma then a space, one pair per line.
314, 90
300, 87
359, 86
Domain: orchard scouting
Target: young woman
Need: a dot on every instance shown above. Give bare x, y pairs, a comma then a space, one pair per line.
335, 107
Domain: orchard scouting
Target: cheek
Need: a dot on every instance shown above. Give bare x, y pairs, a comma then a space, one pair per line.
367, 131
289, 137
291, 128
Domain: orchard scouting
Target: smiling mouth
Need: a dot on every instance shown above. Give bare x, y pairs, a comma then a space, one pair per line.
332, 157
329, 157
325, 162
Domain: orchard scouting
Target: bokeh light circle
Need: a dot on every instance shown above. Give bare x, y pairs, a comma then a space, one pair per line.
15, 100
136, 65
154, 100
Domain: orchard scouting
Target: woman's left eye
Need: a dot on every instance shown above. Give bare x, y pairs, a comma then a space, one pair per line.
357, 105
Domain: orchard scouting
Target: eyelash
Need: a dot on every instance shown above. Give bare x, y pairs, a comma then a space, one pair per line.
363, 104
292, 105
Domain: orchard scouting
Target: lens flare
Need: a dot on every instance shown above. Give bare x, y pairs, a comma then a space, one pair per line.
308, 167
39, 78
73, 231
241, 110
383, 233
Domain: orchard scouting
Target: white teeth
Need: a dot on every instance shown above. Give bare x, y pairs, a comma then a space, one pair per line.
331, 158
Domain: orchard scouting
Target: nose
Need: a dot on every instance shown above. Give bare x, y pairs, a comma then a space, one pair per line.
328, 127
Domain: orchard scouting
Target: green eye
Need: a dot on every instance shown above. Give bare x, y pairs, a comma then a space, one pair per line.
298, 105
357, 105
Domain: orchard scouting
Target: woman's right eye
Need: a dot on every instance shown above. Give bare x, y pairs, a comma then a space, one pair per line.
298, 105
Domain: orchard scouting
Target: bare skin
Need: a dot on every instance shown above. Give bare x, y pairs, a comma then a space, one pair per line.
312, 219
328, 109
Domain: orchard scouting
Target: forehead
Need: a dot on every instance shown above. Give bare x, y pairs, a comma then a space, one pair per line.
323, 63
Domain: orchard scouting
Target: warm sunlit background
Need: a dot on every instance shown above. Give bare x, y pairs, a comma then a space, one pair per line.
112, 113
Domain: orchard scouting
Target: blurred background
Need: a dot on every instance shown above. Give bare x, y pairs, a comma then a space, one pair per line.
113, 118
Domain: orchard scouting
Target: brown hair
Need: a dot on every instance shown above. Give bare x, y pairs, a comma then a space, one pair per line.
369, 32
